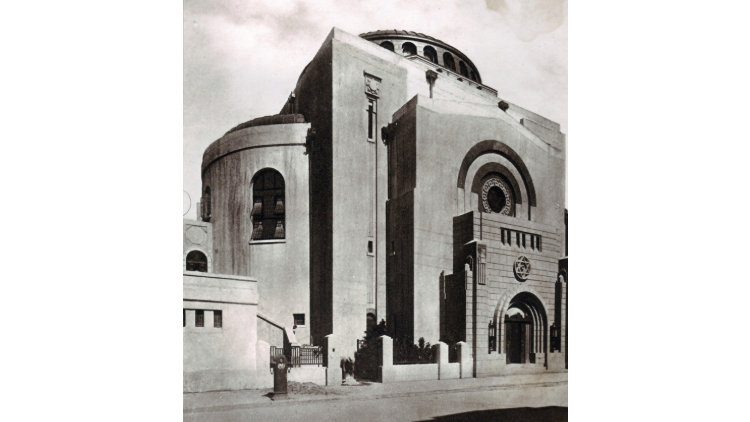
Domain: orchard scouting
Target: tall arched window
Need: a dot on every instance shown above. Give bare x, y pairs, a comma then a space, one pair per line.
196, 261
473, 76
269, 206
409, 49
206, 205
388, 45
448, 61
464, 70
431, 54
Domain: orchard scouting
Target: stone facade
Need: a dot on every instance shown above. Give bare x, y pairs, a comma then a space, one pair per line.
411, 194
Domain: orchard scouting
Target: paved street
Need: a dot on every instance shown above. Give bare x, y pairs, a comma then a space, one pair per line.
507, 399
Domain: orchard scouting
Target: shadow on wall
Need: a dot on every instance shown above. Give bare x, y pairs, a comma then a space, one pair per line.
518, 414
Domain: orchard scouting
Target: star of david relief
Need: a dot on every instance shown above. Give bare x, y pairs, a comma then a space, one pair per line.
497, 197
522, 268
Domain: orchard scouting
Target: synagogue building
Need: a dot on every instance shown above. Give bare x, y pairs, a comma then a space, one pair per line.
392, 185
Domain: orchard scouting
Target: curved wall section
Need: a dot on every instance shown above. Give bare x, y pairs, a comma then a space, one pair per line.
281, 266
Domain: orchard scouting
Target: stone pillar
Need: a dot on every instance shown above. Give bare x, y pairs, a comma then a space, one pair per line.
441, 350
385, 372
465, 359
527, 346
333, 367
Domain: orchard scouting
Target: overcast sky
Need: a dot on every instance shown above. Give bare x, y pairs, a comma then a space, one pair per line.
241, 59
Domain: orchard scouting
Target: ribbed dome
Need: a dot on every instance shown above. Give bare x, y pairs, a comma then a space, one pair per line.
410, 42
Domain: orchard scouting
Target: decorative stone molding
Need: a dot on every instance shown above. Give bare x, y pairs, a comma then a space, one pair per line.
197, 235
507, 193
481, 263
522, 268
372, 85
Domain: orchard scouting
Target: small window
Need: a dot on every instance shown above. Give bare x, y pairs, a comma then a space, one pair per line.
388, 46
217, 319
299, 320
462, 68
409, 49
369, 247
196, 261
448, 61
431, 54
199, 318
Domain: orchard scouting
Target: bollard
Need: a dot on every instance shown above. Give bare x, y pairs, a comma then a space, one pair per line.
280, 369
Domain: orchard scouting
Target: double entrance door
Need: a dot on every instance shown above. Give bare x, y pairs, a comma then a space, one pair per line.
518, 332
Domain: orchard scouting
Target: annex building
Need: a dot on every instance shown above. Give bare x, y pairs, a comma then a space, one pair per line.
392, 185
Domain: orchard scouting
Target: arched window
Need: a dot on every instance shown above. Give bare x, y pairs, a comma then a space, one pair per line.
431, 54
196, 261
448, 61
269, 206
464, 70
388, 45
473, 76
206, 205
409, 49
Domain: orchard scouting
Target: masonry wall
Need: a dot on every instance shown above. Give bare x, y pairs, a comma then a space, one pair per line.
222, 358
280, 265
314, 100
445, 132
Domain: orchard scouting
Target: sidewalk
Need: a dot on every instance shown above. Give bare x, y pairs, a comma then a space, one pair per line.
227, 400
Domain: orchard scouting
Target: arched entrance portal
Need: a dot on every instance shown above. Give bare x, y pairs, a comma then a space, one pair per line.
525, 327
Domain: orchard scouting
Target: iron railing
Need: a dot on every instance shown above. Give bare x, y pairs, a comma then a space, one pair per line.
301, 355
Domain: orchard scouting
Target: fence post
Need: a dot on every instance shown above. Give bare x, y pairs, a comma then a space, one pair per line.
385, 372
464, 358
441, 350
333, 364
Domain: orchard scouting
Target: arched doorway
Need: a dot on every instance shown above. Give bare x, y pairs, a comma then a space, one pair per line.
524, 329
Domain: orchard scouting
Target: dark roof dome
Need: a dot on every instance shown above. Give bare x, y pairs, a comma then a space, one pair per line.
410, 43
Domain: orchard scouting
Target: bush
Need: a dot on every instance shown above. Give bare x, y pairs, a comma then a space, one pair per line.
404, 352
367, 358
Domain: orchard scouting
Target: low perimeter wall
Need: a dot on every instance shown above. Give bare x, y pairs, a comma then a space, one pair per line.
440, 370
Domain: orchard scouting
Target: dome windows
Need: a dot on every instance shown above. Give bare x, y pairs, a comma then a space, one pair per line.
431, 54
388, 45
448, 61
409, 49
463, 69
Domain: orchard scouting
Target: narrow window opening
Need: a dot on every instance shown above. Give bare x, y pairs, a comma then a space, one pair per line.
393, 247
532, 241
518, 239
299, 320
372, 113
206, 205
199, 318
539, 242
217, 319
369, 247
523, 239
